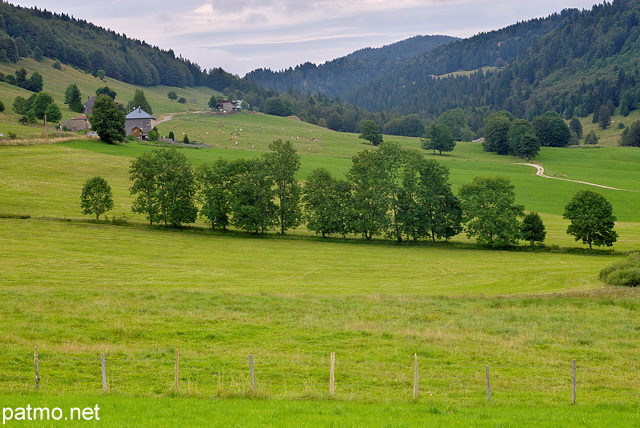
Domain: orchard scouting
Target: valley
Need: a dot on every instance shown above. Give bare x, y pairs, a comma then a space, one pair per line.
202, 327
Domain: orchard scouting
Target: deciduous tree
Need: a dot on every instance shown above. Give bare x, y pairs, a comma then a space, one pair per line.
427, 206
253, 206
164, 184
327, 203
107, 120
438, 137
592, 219
522, 139
105, 90
533, 229
551, 130
369, 178
490, 211
96, 197
214, 192
283, 164
496, 132
370, 131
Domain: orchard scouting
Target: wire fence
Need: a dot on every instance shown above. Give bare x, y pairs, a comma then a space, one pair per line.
330, 376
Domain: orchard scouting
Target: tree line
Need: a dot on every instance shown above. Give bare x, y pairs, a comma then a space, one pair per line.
389, 192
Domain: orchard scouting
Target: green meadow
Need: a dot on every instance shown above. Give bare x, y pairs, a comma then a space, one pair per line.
56, 82
76, 288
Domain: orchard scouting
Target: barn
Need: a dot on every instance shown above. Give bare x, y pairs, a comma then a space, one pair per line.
78, 123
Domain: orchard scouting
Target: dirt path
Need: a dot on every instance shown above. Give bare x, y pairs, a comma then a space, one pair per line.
540, 172
163, 118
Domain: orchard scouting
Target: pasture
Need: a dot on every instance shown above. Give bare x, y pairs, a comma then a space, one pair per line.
78, 288
56, 82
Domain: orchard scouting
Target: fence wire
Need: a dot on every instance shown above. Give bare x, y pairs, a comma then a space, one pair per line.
309, 377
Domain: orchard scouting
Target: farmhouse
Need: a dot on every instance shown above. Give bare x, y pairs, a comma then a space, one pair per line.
88, 105
224, 105
229, 106
138, 123
79, 123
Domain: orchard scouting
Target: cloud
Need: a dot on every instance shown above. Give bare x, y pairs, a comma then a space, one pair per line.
241, 35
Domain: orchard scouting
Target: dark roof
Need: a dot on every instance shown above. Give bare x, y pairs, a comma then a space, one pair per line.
88, 105
139, 114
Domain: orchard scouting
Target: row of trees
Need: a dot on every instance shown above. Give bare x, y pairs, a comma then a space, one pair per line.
21, 78
37, 106
390, 192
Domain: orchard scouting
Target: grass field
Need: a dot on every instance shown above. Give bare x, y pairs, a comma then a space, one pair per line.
76, 288
138, 294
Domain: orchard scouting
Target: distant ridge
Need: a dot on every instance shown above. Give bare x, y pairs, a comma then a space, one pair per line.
335, 77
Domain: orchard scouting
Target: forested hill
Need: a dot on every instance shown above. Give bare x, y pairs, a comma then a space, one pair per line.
32, 32
590, 59
335, 77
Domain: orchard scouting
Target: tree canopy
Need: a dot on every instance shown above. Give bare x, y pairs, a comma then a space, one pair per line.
438, 137
140, 100
490, 211
592, 219
96, 197
370, 131
283, 163
163, 182
107, 120
551, 130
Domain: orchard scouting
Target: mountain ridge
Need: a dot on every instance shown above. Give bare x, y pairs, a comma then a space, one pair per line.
335, 76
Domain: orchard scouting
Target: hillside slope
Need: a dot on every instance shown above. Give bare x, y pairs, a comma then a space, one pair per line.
336, 77
591, 59
56, 81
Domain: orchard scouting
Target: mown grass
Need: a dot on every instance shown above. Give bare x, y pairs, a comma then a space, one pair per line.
79, 288
76, 290
104, 255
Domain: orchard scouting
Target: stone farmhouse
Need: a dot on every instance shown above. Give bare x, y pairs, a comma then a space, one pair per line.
138, 123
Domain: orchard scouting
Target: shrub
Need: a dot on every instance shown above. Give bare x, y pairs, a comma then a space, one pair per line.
626, 277
153, 135
625, 272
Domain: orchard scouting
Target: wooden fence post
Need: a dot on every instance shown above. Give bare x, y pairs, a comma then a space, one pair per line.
573, 382
486, 370
415, 377
252, 374
103, 364
177, 372
332, 375
35, 363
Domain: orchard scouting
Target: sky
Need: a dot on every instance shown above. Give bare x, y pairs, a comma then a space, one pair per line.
243, 35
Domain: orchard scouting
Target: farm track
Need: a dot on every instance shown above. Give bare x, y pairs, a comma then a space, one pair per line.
540, 173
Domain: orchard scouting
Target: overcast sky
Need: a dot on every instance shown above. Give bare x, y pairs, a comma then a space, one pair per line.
242, 35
